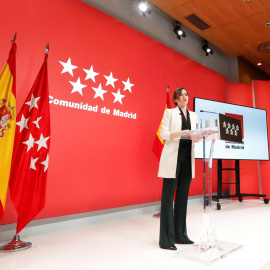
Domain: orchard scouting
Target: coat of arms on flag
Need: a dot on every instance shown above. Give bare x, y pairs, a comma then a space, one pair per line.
6, 115
7, 121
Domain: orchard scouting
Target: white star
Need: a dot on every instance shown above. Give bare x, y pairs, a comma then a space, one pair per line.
77, 86
128, 85
42, 142
33, 102
110, 80
36, 122
23, 123
45, 163
90, 74
99, 92
68, 67
33, 163
30, 142
118, 96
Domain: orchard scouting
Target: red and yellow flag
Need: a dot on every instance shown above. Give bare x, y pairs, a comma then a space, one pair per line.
158, 142
7, 121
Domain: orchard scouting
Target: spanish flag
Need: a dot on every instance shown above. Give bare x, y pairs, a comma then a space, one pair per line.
7, 121
159, 143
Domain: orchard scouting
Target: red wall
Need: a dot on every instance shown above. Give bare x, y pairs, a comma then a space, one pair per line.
262, 101
99, 161
241, 94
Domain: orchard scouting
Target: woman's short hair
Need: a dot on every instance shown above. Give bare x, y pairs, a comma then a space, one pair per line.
177, 94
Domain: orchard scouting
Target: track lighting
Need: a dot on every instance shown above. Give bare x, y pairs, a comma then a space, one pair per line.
178, 31
206, 48
143, 7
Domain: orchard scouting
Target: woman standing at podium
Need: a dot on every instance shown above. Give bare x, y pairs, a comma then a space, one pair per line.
177, 168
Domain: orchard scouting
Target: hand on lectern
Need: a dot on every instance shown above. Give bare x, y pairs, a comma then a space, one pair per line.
176, 134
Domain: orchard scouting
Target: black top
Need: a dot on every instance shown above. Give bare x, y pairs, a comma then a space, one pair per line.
185, 122
184, 151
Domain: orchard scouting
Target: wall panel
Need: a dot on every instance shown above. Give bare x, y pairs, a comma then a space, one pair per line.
262, 101
99, 160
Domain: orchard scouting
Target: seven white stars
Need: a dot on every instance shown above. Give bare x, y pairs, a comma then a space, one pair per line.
77, 86
99, 92
30, 142
118, 97
45, 163
68, 67
110, 80
23, 123
42, 142
90, 74
128, 85
33, 163
33, 102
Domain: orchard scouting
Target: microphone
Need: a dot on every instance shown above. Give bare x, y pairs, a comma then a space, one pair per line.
208, 112
212, 122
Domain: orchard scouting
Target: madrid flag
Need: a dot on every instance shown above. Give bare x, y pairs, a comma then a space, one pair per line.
158, 142
30, 160
7, 121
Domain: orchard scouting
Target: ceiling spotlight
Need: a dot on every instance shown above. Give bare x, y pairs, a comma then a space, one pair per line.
206, 49
178, 31
259, 64
143, 7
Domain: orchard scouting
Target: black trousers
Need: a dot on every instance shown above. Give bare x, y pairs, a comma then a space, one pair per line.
173, 222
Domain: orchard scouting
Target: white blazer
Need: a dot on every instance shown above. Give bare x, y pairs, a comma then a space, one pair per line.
171, 122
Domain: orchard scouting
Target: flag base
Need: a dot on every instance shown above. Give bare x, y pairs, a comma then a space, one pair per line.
15, 245
210, 255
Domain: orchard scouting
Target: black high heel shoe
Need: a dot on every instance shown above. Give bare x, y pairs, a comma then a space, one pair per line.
170, 248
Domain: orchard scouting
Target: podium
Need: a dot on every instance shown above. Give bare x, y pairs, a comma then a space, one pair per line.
209, 248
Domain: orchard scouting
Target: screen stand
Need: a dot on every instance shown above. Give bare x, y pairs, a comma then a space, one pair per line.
209, 249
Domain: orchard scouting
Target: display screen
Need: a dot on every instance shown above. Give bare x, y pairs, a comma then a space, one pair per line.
254, 144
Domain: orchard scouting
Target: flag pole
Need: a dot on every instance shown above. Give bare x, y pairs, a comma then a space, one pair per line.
14, 38
16, 244
47, 48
